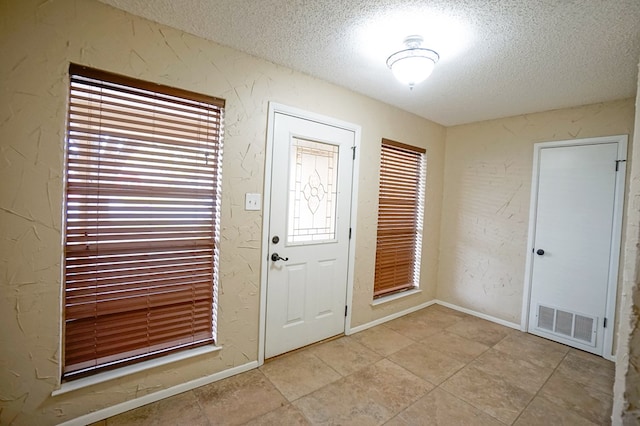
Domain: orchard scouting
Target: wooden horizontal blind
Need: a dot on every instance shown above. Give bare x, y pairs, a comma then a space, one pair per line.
400, 212
142, 205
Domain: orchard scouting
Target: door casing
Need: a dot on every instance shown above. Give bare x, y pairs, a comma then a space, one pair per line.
612, 282
275, 108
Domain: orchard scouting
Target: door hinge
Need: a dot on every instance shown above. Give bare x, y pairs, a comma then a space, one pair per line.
605, 323
345, 310
354, 152
618, 164
349, 233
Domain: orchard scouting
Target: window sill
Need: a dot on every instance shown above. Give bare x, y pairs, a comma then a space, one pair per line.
385, 299
132, 369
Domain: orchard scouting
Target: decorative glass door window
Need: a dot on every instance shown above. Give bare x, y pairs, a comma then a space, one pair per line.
313, 178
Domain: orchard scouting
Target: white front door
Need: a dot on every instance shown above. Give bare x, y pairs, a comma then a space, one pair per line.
308, 244
574, 244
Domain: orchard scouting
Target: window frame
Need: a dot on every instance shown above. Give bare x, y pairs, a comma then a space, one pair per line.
194, 127
400, 219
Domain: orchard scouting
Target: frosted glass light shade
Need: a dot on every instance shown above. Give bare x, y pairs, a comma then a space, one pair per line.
412, 70
414, 64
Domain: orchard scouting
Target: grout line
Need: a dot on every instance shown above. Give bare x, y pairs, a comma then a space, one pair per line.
295, 351
281, 394
465, 366
468, 403
419, 397
540, 388
299, 350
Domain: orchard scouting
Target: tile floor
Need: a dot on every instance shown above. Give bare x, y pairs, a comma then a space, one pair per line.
436, 366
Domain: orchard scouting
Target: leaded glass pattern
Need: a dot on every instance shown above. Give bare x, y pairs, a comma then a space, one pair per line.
313, 178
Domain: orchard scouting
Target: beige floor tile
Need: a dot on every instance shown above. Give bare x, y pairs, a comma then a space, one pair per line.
239, 399
602, 362
457, 347
342, 403
442, 308
347, 381
182, 408
370, 396
144, 415
589, 402
494, 396
298, 374
588, 369
287, 415
440, 408
479, 330
537, 350
413, 328
345, 355
390, 385
437, 318
382, 340
516, 371
543, 412
429, 364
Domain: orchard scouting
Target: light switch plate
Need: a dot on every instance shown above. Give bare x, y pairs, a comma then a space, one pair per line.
251, 201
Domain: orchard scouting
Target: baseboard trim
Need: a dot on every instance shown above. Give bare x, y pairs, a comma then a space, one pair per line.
104, 413
478, 314
382, 320
429, 303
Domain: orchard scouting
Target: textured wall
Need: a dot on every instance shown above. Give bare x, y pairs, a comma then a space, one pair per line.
485, 213
626, 400
38, 39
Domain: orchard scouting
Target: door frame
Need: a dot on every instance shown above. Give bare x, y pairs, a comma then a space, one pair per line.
277, 108
616, 239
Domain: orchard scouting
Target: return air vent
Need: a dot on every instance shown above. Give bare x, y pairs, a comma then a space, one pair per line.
583, 328
546, 317
567, 324
564, 323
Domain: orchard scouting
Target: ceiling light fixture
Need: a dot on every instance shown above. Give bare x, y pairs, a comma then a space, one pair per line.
413, 64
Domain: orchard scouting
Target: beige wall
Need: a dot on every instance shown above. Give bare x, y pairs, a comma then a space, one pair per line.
626, 400
480, 243
488, 167
37, 41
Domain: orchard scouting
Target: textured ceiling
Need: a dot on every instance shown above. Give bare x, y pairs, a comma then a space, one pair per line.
498, 57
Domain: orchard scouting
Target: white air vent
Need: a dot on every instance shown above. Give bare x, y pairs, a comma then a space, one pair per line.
564, 322
583, 328
546, 317
567, 324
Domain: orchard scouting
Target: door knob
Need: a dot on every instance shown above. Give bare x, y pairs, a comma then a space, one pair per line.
275, 257
540, 252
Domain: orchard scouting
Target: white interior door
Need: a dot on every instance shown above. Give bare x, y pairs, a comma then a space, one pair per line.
308, 245
574, 243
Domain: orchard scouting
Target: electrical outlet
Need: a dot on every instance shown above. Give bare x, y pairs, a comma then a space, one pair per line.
251, 201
